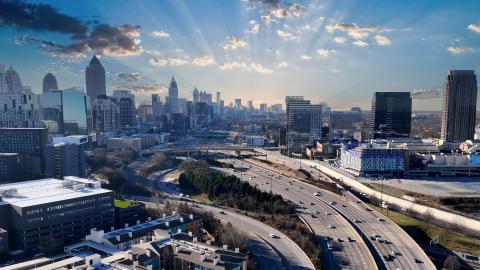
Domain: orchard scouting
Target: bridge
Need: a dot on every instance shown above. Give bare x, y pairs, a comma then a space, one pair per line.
210, 148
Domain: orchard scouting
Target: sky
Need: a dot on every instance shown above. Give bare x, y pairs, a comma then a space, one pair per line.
334, 51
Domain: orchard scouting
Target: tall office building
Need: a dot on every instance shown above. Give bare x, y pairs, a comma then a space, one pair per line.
316, 121
3, 86
205, 97
172, 99
52, 110
238, 103
74, 112
344, 120
20, 110
391, 114
65, 156
105, 115
49, 83
95, 79
219, 97
250, 105
459, 106
29, 143
263, 107
145, 113
13, 81
126, 103
157, 108
196, 95
298, 124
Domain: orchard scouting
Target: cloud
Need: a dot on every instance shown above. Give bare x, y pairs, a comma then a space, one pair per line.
460, 50
102, 38
285, 35
474, 27
382, 41
159, 34
255, 27
360, 43
352, 29
175, 61
243, 66
205, 60
40, 17
340, 40
158, 62
267, 19
129, 77
281, 65
422, 94
324, 53
233, 43
155, 87
305, 57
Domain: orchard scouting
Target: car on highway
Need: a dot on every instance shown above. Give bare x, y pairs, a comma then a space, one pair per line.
417, 260
331, 226
223, 213
356, 220
329, 246
317, 194
313, 216
333, 203
327, 213
311, 203
286, 188
380, 219
272, 235
300, 202
388, 257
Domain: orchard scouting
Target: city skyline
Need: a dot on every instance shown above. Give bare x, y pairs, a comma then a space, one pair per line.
254, 50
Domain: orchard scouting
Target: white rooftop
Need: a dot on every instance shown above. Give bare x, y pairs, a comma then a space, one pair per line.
37, 192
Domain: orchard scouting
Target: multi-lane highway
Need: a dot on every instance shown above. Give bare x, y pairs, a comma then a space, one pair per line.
279, 252
342, 245
404, 252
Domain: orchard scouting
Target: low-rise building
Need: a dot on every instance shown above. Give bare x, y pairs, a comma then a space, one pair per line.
373, 160
129, 213
64, 210
255, 140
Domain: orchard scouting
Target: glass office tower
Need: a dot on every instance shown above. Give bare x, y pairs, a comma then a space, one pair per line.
52, 110
74, 112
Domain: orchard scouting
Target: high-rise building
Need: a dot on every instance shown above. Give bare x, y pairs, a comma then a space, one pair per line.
20, 110
316, 122
49, 83
145, 113
52, 110
157, 108
344, 120
66, 156
205, 97
29, 143
196, 95
172, 99
126, 103
298, 124
391, 114
238, 103
13, 81
219, 97
250, 105
95, 79
263, 107
3, 86
276, 108
459, 106
74, 112
105, 115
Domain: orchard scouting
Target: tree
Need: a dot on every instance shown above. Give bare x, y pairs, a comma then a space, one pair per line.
452, 262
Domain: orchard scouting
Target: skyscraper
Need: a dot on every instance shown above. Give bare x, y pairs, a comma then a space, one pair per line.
20, 110
238, 103
74, 112
95, 79
172, 101
126, 103
157, 108
105, 115
49, 83
196, 95
298, 123
316, 122
52, 110
459, 106
3, 86
65, 156
219, 97
13, 82
391, 114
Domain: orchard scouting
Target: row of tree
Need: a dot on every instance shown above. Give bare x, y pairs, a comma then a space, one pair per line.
198, 178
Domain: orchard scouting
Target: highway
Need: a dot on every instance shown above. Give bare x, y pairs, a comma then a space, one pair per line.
409, 254
348, 251
279, 252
